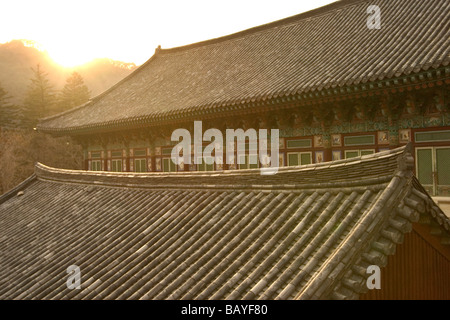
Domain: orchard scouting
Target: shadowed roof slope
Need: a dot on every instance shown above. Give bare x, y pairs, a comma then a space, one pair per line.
324, 48
305, 233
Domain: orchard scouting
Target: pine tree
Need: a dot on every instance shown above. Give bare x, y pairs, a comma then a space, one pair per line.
4, 107
40, 99
9, 115
74, 93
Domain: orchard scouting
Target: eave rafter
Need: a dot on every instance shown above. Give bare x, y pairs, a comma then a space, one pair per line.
437, 80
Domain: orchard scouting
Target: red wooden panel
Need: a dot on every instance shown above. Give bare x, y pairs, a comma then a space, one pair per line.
417, 271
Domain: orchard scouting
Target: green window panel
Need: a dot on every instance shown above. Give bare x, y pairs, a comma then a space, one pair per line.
116, 154
356, 153
254, 160
247, 146
425, 166
245, 164
203, 166
116, 165
366, 152
359, 140
305, 158
293, 159
299, 158
432, 136
167, 151
168, 165
140, 153
140, 165
242, 162
303, 143
96, 165
443, 166
351, 154
95, 155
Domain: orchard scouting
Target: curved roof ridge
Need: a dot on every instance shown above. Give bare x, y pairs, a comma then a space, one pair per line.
221, 237
216, 75
366, 170
252, 30
18, 188
50, 117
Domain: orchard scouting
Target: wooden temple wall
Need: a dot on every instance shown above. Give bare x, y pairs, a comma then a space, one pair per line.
417, 271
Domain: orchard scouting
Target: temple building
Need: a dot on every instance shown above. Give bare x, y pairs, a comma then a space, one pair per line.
362, 108
308, 232
333, 87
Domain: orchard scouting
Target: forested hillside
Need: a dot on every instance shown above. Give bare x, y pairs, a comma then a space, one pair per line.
32, 86
16, 61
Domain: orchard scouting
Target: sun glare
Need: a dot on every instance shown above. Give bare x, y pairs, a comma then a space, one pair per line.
65, 56
68, 57
121, 36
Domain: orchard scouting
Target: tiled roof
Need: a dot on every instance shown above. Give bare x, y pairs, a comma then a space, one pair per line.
324, 48
305, 233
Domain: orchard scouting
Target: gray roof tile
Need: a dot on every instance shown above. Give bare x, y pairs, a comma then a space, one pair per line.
147, 236
329, 47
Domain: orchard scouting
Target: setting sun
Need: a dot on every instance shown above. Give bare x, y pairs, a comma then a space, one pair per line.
60, 55
69, 58
74, 33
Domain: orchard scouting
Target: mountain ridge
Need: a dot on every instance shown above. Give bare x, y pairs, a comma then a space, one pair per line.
17, 57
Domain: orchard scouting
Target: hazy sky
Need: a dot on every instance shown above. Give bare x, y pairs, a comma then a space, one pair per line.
74, 32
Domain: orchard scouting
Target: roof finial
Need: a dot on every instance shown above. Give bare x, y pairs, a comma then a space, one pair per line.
406, 161
158, 49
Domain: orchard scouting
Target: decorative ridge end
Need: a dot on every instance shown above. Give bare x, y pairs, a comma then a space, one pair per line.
406, 161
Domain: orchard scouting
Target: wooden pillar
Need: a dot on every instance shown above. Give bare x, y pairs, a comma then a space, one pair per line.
326, 140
